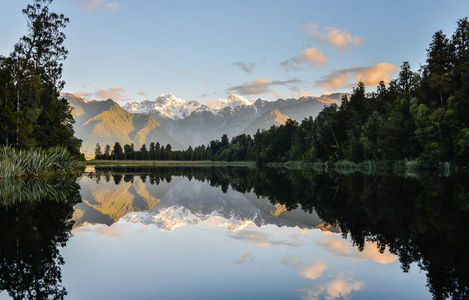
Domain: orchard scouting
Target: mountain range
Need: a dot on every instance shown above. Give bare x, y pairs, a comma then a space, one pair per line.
183, 123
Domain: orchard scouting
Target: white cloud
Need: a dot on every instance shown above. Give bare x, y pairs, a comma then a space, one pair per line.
260, 86
370, 76
341, 39
248, 68
143, 94
116, 94
311, 57
91, 5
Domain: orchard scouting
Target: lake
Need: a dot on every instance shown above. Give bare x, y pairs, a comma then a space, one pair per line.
234, 233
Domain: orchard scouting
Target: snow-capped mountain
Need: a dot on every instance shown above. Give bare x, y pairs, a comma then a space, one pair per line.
191, 123
166, 105
171, 107
231, 101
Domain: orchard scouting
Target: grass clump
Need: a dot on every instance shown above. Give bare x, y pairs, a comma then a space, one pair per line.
18, 163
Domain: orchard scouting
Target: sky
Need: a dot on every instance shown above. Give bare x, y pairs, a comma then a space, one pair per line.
131, 50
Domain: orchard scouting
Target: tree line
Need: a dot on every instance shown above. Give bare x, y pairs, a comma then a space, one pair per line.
421, 115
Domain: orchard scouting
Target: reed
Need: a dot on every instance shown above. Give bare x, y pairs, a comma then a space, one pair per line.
17, 163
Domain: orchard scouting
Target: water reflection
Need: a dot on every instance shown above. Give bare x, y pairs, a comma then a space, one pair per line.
423, 221
121, 218
34, 225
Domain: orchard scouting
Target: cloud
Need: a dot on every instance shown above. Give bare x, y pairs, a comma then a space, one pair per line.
341, 247
260, 86
340, 287
91, 5
370, 76
245, 67
83, 94
259, 238
304, 94
341, 39
247, 257
116, 94
311, 57
280, 95
142, 93
298, 92
112, 93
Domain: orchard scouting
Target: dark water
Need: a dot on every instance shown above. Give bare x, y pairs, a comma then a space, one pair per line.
234, 233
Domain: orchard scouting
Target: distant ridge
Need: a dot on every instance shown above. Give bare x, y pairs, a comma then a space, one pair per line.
183, 123
105, 122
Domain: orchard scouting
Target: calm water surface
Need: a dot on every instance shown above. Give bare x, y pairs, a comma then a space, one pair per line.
212, 233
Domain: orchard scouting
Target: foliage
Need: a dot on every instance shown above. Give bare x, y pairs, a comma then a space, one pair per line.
32, 112
16, 163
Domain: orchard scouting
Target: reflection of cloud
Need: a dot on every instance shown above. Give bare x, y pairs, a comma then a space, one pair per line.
245, 67
341, 247
311, 271
260, 86
116, 230
370, 76
314, 271
340, 287
341, 39
247, 257
91, 5
259, 238
309, 57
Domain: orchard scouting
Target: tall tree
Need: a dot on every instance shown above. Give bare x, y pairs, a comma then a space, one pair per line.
41, 117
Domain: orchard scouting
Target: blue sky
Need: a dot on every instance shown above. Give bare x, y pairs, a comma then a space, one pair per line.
130, 50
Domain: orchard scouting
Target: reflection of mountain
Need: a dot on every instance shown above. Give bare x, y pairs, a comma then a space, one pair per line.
106, 202
181, 202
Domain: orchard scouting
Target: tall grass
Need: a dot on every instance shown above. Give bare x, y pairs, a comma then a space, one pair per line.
17, 163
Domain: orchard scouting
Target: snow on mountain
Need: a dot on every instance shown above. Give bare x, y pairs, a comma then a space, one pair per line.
231, 101
171, 107
166, 105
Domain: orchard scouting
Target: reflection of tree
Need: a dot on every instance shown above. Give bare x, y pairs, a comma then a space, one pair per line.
31, 233
424, 221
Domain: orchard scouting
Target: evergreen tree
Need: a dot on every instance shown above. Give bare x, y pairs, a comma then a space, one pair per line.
97, 152
30, 81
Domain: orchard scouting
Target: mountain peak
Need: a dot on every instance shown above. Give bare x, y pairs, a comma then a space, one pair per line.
234, 97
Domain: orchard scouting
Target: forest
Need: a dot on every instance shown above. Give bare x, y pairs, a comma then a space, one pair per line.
420, 116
